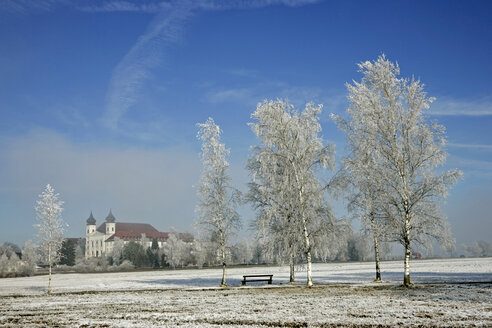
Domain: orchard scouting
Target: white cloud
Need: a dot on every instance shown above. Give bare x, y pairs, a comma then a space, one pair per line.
230, 95
471, 167
470, 146
447, 106
111, 6
297, 95
30, 6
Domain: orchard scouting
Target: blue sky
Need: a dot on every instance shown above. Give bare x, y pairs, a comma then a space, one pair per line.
100, 98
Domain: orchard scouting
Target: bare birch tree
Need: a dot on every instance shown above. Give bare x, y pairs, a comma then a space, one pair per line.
50, 228
218, 200
388, 114
284, 167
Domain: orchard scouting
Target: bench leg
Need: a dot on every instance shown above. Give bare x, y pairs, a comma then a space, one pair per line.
243, 283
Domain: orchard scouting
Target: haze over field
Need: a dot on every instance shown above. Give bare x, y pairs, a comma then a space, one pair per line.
100, 99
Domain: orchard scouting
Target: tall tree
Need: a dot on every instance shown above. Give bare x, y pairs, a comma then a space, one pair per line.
284, 168
218, 200
178, 252
117, 251
135, 253
387, 113
67, 253
50, 228
359, 177
29, 258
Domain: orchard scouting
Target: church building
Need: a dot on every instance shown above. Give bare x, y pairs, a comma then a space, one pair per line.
100, 240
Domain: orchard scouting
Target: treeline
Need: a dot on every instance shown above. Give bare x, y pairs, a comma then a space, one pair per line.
17, 262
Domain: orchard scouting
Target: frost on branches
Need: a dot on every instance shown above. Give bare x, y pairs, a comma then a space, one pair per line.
50, 228
217, 199
292, 211
387, 131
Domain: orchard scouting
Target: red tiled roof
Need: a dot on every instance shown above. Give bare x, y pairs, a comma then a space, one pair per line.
134, 231
128, 235
139, 228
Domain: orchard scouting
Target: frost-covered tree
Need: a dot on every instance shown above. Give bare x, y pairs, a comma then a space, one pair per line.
199, 252
177, 251
117, 251
50, 228
285, 186
363, 188
144, 241
217, 199
29, 258
242, 252
387, 113
477, 249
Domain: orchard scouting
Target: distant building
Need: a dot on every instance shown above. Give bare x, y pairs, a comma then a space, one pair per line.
100, 240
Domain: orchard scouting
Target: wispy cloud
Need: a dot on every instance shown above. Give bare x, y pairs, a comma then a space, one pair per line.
470, 146
31, 6
134, 70
234, 95
447, 106
112, 6
262, 89
471, 167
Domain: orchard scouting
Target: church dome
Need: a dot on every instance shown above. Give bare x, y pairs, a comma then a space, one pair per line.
110, 218
91, 220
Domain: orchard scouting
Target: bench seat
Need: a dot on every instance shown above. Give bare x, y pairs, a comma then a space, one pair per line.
266, 277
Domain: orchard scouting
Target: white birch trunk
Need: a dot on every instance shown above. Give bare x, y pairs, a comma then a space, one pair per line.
308, 254
223, 255
406, 275
376, 249
49, 273
292, 269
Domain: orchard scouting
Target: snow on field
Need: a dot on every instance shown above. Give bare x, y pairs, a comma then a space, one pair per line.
448, 293
422, 271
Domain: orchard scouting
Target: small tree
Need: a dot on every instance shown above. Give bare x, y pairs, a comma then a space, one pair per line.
176, 250
67, 253
153, 255
117, 251
50, 228
135, 253
29, 258
218, 200
155, 244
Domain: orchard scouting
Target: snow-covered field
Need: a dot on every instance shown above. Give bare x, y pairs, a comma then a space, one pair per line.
447, 293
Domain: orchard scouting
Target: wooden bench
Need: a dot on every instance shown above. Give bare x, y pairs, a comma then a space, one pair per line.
257, 277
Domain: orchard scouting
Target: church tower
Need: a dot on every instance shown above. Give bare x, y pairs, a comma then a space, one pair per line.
90, 230
110, 224
91, 224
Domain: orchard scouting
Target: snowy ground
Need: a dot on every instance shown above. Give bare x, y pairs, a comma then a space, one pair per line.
447, 293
